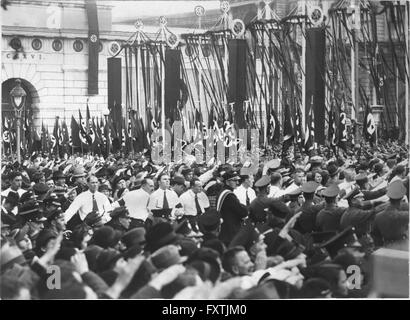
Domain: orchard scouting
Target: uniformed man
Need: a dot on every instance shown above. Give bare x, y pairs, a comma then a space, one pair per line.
60, 187
120, 219
328, 219
345, 240
363, 183
231, 210
306, 223
391, 225
359, 218
259, 207
296, 200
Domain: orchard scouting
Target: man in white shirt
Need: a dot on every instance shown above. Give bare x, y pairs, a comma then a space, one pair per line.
275, 190
87, 202
194, 202
244, 192
299, 179
16, 181
163, 197
136, 202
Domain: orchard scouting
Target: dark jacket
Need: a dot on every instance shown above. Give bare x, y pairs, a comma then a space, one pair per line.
232, 213
116, 225
358, 218
390, 225
370, 195
328, 219
306, 222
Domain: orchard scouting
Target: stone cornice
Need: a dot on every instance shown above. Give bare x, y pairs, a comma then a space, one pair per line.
63, 3
61, 33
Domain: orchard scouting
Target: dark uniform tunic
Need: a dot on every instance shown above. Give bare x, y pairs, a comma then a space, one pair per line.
232, 213
391, 227
328, 219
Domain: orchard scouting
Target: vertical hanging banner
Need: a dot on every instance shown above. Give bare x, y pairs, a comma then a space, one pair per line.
93, 44
172, 82
237, 79
315, 79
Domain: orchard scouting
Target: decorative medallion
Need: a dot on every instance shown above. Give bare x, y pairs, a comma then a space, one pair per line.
93, 38
238, 27
113, 48
199, 11
78, 45
15, 43
139, 25
225, 6
36, 44
162, 21
172, 41
57, 45
315, 15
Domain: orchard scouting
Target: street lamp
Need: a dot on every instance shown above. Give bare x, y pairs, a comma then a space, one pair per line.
18, 100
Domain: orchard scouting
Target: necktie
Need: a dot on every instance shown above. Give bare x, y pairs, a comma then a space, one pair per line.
198, 207
248, 201
95, 206
165, 202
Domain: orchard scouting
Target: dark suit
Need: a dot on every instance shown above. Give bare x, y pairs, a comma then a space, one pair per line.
116, 225
390, 225
306, 222
370, 195
358, 218
232, 213
259, 204
328, 219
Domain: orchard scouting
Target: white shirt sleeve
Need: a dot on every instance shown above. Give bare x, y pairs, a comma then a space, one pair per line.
73, 208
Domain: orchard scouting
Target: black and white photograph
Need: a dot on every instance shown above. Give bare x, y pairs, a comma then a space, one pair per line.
204, 154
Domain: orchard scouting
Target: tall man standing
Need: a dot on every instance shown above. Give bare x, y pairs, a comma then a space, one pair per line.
244, 192
163, 198
136, 202
194, 202
231, 210
87, 202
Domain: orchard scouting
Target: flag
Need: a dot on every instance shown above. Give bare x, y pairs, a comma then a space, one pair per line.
96, 145
298, 128
332, 131
27, 143
75, 134
6, 134
369, 127
57, 137
342, 143
83, 135
44, 138
310, 132
36, 136
93, 45
273, 128
288, 134
107, 135
65, 138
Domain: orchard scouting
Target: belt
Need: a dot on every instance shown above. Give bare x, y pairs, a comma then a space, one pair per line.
162, 215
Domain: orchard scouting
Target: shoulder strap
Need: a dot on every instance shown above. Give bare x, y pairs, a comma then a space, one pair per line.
221, 199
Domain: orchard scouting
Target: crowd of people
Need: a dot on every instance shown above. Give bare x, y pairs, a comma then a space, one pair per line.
125, 228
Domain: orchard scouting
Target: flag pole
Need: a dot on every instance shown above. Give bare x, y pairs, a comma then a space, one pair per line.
163, 24
407, 42
303, 65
